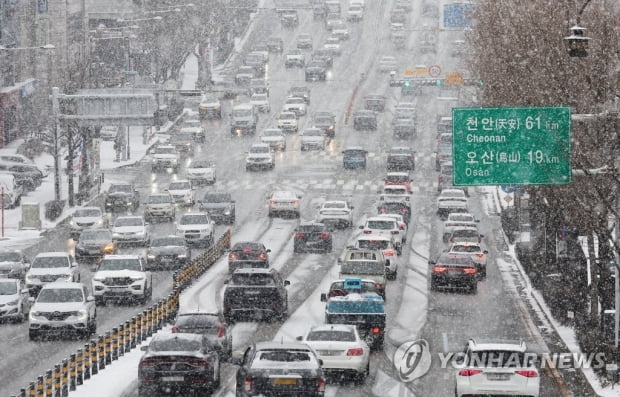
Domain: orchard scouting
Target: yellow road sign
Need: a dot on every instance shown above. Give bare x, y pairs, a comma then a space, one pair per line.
416, 72
454, 78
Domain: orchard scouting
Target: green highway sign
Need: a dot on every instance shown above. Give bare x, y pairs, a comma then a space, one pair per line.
511, 146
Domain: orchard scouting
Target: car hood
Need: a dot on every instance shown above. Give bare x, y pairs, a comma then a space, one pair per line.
167, 250
10, 265
118, 273
8, 298
57, 307
165, 156
37, 271
260, 156
119, 194
127, 229
91, 243
179, 192
86, 219
192, 227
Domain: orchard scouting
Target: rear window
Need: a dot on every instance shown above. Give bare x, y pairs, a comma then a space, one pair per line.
466, 248
397, 178
283, 356
362, 267
60, 295
197, 321
253, 279
380, 225
174, 344
496, 359
373, 244
311, 228
331, 335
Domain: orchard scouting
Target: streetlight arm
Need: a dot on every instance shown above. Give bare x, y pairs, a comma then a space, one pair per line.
583, 7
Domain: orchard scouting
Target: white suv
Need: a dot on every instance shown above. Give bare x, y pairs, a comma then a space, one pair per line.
86, 218
165, 156
497, 368
260, 156
197, 228
122, 277
287, 121
384, 226
62, 308
48, 267
182, 192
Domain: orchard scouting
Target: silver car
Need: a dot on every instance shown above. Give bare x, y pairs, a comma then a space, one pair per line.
14, 303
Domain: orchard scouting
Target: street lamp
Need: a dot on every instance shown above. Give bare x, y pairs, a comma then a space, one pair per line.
577, 42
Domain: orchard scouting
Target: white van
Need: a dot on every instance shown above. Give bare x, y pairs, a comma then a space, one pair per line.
12, 191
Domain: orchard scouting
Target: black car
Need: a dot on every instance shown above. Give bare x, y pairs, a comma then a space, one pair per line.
454, 271
275, 44
374, 102
248, 254
364, 120
325, 121
279, 369
401, 207
300, 92
169, 252
93, 244
183, 363
312, 237
325, 56
401, 158
316, 70
404, 128
13, 264
211, 325
354, 157
122, 196
220, 206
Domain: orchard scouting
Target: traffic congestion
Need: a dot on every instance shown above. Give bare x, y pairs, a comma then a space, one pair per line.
348, 238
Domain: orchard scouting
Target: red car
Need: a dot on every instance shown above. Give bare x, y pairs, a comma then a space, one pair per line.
398, 178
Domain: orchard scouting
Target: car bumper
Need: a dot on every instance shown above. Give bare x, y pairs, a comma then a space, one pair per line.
344, 363
11, 313
287, 127
159, 213
72, 324
166, 261
459, 281
258, 166
118, 204
135, 290
464, 387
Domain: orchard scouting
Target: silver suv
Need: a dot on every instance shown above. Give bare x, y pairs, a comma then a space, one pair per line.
159, 206
197, 228
63, 308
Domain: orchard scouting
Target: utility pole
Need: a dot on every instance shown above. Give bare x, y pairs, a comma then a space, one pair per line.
56, 154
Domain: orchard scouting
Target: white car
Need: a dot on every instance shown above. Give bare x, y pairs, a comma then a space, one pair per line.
130, 229
402, 225
274, 137
197, 228
394, 193
341, 349
455, 220
382, 226
86, 218
284, 201
13, 300
261, 102
313, 138
109, 280
332, 44
451, 200
355, 12
340, 31
387, 64
260, 156
199, 171
63, 308
484, 371
193, 128
296, 105
338, 212
287, 121
182, 192
48, 267
475, 251
165, 156
384, 244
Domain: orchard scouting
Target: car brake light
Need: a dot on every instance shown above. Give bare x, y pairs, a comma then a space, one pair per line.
480, 255
403, 210
198, 363
375, 330
248, 383
469, 270
232, 256
221, 332
262, 255
440, 178
358, 351
299, 235
295, 202
388, 253
469, 372
401, 227
174, 329
367, 231
379, 286
394, 232
439, 269
272, 202
149, 363
383, 210
527, 373
321, 384
324, 235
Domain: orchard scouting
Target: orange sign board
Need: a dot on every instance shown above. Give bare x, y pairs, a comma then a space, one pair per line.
454, 78
417, 72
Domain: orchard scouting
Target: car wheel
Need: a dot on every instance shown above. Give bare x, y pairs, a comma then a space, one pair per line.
217, 380
361, 376
483, 273
329, 248
32, 335
229, 318
270, 214
473, 289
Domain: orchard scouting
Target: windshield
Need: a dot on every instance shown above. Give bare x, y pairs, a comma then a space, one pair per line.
83, 213
361, 306
194, 219
159, 199
373, 244
175, 345
10, 257
285, 356
238, 113
260, 149
466, 248
8, 287
334, 205
397, 178
96, 235
180, 186
120, 264
168, 242
60, 295
362, 267
180, 137
259, 98
128, 222
48, 262
120, 188
165, 150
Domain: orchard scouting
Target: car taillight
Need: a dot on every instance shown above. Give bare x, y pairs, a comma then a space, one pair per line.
439, 269
295, 202
388, 253
262, 255
440, 178
527, 373
469, 270
367, 231
389, 158
401, 227
324, 235
248, 383
379, 286
321, 384
221, 332
198, 363
174, 329
383, 210
375, 330
149, 363
358, 351
299, 235
403, 210
479, 255
232, 256
394, 232
469, 372
272, 202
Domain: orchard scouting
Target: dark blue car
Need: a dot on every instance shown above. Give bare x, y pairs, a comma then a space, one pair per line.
354, 157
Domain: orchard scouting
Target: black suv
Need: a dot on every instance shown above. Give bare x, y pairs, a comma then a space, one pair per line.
401, 158
316, 69
312, 237
275, 369
220, 206
325, 121
365, 120
248, 254
122, 196
168, 252
260, 293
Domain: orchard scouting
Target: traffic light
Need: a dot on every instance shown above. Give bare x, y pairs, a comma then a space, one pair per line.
406, 83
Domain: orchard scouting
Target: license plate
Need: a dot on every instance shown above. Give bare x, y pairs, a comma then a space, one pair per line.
172, 379
284, 381
498, 376
252, 292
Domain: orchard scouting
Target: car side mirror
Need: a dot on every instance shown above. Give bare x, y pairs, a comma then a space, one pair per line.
31, 299
144, 348
482, 236
90, 298
299, 338
323, 297
287, 282
27, 266
25, 291
485, 252
226, 281
361, 227
267, 250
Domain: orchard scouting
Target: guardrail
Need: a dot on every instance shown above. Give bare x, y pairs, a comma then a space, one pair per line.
113, 344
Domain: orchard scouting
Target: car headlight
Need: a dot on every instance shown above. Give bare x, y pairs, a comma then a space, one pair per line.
108, 248
35, 314
71, 222
81, 314
227, 211
182, 256
99, 279
12, 303
150, 256
99, 221
116, 234
137, 277
68, 277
